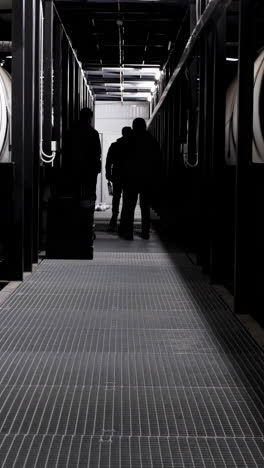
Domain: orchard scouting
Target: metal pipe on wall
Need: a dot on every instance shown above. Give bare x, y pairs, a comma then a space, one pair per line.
57, 87
48, 76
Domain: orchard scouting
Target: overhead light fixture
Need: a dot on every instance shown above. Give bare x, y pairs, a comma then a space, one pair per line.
113, 69
132, 84
231, 59
129, 93
153, 70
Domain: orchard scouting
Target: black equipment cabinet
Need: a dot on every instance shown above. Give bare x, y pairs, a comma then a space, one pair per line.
70, 232
7, 223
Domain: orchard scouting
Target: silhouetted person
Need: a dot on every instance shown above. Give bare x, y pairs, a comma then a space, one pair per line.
114, 172
140, 177
86, 165
86, 156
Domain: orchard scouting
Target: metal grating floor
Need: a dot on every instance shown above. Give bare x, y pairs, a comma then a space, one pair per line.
127, 361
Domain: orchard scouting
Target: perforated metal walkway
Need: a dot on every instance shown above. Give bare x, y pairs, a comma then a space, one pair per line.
127, 361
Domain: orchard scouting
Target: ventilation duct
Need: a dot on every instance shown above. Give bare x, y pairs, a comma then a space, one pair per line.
5, 116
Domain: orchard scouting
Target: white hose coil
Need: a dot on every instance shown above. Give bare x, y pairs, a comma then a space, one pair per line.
5, 116
46, 158
258, 116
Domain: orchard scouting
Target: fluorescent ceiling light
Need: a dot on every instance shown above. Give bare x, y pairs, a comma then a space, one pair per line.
135, 95
114, 69
231, 59
148, 84
132, 84
143, 70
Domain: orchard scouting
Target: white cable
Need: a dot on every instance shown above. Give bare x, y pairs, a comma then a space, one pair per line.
185, 153
186, 161
50, 157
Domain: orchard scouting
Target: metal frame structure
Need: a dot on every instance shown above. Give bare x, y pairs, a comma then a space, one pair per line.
214, 202
64, 94
220, 219
244, 223
16, 265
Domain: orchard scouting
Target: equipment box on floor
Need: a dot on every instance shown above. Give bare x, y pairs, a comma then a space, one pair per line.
70, 228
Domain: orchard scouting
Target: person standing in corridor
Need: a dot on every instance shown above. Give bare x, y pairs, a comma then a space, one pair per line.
86, 165
114, 172
140, 175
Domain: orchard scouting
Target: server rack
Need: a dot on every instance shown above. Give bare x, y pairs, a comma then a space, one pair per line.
215, 205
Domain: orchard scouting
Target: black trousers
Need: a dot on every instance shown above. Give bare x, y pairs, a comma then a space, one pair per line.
130, 197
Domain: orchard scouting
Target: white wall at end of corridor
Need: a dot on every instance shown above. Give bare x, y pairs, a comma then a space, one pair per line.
110, 118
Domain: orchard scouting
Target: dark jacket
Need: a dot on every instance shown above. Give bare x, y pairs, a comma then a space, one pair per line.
85, 150
115, 160
142, 160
